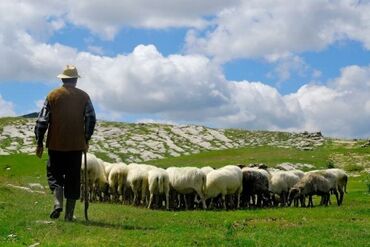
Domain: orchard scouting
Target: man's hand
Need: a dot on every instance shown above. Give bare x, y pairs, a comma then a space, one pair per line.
87, 147
39, 151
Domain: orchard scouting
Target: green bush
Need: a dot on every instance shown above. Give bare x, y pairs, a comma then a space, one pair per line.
354, 168
330, 164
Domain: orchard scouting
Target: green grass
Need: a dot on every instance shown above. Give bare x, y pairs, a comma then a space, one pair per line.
247, 155
24, 216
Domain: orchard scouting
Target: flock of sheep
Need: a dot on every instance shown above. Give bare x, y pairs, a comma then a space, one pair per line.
227, 187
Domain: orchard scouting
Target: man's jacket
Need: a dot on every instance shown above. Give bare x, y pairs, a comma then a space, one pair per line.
69, 116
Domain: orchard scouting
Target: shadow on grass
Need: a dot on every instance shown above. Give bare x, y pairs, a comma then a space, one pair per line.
114, 225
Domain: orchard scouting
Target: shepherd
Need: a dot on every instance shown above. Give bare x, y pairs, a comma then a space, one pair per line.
69, 117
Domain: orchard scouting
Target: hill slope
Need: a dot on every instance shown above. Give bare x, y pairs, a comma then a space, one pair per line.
142, 142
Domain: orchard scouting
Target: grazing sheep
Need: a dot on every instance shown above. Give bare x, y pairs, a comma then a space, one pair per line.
138, 182
96, 180
116, 180
255, 183
310, 184
207, 169
298, 173
280, 184
342, 179
332, 179
107, 167
186, 180
224, 181
158, 184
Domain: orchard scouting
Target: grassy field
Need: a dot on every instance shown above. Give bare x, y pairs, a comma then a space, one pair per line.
24, 216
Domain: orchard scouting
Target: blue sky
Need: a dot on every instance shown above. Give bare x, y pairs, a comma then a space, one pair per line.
245, 64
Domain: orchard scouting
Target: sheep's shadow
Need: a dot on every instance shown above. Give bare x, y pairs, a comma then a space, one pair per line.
115, 225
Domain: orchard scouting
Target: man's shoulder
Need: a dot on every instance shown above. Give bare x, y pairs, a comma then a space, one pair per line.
81, 92
53, 93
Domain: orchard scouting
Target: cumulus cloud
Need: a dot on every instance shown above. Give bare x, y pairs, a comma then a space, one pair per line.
145, 81
107, 17
263, 28
192, 88
180, 88
6, 108
340, 107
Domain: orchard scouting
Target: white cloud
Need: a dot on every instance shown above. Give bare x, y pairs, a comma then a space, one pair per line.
286, 65
188, 88
192, 88
262, 28
108, 17
25, 59
145, 81
156, 121
95, 49
6, 108
340, 107
39, 104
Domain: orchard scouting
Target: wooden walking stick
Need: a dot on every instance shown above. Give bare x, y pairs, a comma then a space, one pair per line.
86, 199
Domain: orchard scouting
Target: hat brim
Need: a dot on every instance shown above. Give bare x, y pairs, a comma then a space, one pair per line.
63, 76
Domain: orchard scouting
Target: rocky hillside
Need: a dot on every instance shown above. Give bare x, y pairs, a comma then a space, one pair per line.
141, 142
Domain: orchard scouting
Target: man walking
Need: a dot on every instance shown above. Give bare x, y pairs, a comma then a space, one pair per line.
69, 116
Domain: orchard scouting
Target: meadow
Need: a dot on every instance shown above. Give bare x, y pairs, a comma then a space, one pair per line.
24, 215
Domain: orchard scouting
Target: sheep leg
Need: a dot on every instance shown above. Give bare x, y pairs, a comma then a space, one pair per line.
150, 200
167, 201
211, 204
310, 202
336, 196
327, 199
202, 198
134, 201
143, 196
341, 193
283, 199
259, 200
186, 202
224, 201
253, 199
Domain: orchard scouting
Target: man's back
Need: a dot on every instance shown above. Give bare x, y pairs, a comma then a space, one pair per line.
67, 108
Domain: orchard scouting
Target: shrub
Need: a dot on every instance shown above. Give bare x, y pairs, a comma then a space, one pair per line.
330, 164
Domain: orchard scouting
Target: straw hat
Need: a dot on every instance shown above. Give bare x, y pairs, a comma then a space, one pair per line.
69, 71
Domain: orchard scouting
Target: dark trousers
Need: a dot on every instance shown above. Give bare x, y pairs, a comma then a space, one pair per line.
63, 170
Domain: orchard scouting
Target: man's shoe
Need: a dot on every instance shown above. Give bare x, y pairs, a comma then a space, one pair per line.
58, 203
70, 207
56, 213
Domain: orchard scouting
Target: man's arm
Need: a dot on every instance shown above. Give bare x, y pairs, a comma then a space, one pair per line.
90, 120
42, 123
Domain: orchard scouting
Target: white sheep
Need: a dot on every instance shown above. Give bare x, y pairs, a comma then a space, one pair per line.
224, 181
96, 180
298, 173
107, 167
137, 181
342, 179
116, 180
281, 182
185, 180
206, 169
159, 184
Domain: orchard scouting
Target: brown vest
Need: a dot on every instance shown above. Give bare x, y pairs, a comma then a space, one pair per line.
67, 129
